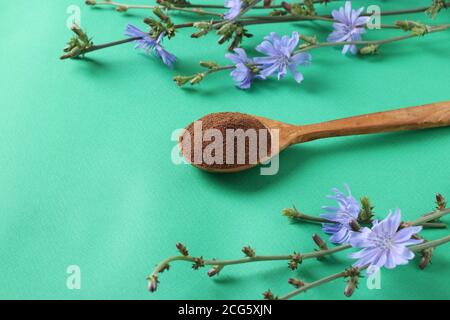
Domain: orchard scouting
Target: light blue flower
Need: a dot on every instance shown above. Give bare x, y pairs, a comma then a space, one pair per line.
280, 56
242, 74
349, 26
147, 43
384, 245
347, 211
235, 7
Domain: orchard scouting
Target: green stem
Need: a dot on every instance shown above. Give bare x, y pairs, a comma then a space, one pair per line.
429, 217
72, 55
434, 225
190, 9
316, 254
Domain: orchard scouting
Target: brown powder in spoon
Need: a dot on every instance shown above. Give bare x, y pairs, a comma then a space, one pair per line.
256, 136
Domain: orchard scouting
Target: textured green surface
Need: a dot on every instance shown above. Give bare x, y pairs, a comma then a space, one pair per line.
86, 176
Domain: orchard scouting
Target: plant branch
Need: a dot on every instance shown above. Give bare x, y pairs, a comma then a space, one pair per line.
416, 248
316, 254
429, 217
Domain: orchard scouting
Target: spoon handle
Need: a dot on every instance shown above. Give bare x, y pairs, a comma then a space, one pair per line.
412, 118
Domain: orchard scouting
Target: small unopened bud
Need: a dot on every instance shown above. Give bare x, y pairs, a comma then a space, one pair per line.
121, 8
199, 34
291, 213
214, 271
209, 64
152, 283
286, 6
202, 25
352, 284
366, 213
198, 263
182, 248
320, 242
267, 3
182, 80
198, 78
369, 50
248, 251
160, 14
309, 40
354, 225
268, 295
441, 202
426, 258
296, 259
296, 283
90, 2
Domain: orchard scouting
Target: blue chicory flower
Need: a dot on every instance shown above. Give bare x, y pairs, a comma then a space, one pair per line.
384, 245
349, 26
279, 56
347, 211
235, 7
147, 43
242, 74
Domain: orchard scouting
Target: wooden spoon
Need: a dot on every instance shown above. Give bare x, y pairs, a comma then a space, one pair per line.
413, 118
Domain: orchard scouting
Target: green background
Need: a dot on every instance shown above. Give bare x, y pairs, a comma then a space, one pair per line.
86, 176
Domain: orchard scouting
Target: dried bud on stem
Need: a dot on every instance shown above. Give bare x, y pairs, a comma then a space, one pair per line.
296, 283
198, 263
248, 251
352, 283
214, 271
320, 242
296, 259
268, 295
182, 249
441, 202
153, 283
426, 258
354, 225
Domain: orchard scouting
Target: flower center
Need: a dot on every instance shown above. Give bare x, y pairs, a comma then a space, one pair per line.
384, 242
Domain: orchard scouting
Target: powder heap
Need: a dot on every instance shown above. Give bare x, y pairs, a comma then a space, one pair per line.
223, 122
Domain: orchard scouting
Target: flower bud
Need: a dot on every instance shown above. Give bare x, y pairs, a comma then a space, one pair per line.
182, 80
267, 3
354, 225
209, 64
320, 242
214, 271
248, 251
366, 213
198, 78
90, 2
152, 283
286, 6
441, 202
268, 295
309, 40
426, 258
182, 249
352, 284
296, 283
198, 263
160, 14
290, 213
369, 50
121, 8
